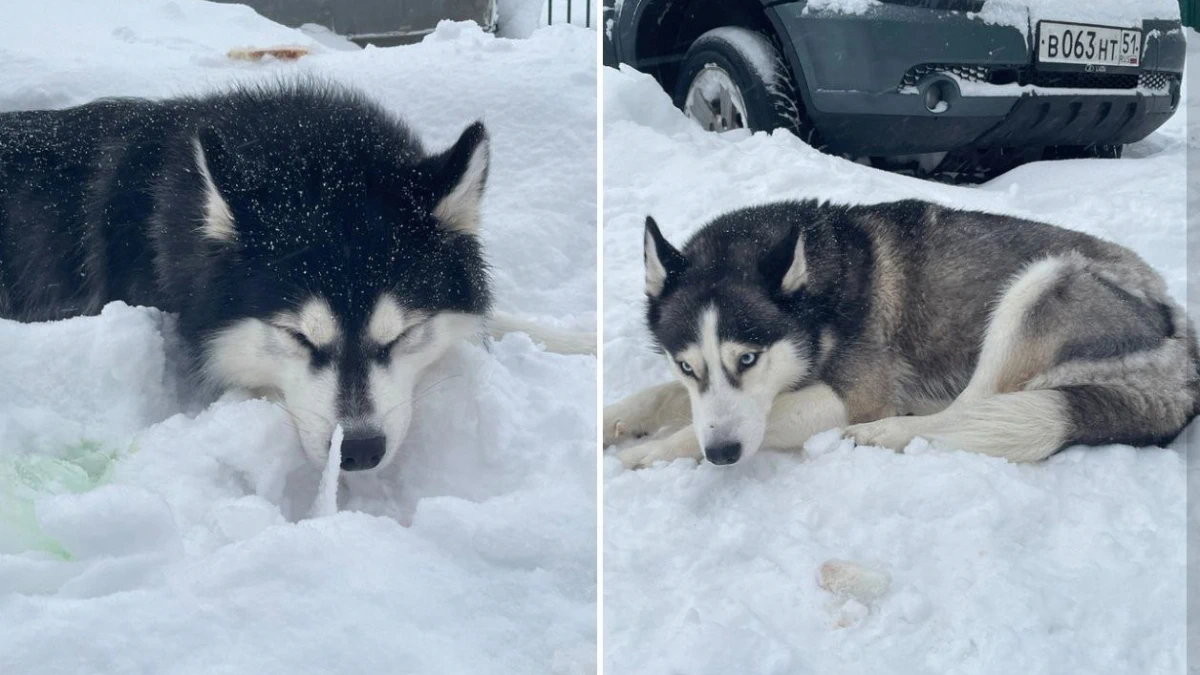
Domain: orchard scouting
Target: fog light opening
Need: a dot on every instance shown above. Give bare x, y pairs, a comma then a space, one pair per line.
937, 97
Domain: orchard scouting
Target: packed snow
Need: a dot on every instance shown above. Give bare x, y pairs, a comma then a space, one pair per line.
841, 6
754, 48
844, 559
145, 531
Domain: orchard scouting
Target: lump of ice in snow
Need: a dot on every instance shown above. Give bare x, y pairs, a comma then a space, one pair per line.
918, 446
826, 442
852, 580
326, 501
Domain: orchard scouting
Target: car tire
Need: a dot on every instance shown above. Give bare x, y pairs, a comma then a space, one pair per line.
1083, 152
763, 96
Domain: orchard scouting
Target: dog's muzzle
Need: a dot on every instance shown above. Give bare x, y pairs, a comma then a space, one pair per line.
726, 453
362, 451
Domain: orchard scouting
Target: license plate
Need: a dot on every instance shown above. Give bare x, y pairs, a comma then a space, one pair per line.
1076, 44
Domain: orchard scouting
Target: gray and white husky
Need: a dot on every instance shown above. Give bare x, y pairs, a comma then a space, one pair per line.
895, 321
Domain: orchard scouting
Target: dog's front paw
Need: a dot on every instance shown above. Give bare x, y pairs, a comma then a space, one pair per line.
649, 453
642, 455
622, 423
891, 432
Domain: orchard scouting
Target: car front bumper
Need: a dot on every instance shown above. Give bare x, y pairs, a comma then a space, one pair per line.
865, 75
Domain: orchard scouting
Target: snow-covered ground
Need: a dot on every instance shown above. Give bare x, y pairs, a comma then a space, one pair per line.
1074, 565
142, 531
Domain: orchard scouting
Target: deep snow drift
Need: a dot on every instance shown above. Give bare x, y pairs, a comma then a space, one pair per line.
1075, 565
142, 531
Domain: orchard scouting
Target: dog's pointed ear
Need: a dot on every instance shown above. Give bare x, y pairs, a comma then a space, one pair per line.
786, 265
662, 259
459, 176
796, 276
208, 151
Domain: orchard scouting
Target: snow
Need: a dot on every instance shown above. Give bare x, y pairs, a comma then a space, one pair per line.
753, 47
143, 530
1073, 565
841, 6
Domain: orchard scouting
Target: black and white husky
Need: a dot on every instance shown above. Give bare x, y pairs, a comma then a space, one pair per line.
983, 332
310, 245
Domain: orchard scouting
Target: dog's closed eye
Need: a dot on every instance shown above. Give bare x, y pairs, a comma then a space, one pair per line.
301, 338
318, 355
384, 352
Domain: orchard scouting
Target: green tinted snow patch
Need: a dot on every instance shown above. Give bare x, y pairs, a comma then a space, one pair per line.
25, 478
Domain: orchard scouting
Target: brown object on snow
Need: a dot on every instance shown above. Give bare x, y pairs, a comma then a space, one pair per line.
283, 53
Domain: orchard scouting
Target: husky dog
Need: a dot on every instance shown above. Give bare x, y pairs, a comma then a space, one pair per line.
309, 243
895, 321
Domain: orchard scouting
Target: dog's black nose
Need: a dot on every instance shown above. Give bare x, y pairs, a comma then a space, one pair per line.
360, 454
726, 453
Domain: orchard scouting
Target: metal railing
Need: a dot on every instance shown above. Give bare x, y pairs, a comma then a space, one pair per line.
587, 10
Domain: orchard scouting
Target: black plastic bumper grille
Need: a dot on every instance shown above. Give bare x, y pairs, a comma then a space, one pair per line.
965, 73
1152, 80
1073, 80
1157, 81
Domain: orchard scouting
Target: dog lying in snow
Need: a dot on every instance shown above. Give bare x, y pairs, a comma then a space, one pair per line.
310, 244
895, 321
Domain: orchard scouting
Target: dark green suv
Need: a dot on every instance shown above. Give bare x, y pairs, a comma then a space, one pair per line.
899, 77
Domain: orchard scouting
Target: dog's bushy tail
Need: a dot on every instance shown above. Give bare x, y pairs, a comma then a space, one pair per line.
553, 339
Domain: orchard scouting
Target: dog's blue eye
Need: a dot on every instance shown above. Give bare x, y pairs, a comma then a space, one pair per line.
683, 365
748, 358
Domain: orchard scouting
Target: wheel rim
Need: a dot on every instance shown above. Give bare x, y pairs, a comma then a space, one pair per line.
715, 102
